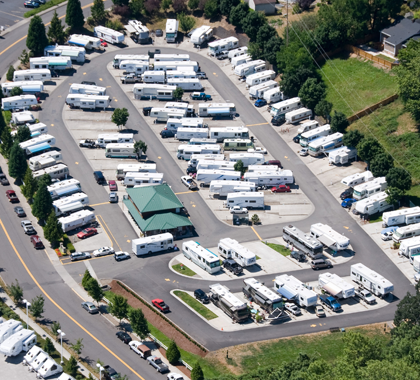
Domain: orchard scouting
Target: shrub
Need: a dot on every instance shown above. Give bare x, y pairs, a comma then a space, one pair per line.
116, 25
122, 10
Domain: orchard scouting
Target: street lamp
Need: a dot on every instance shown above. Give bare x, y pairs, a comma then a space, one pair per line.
28, 305
61, 337
100, 370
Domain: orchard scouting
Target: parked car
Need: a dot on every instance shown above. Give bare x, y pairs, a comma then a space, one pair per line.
87, 232
304, 152
3, 179
292, 308
20, 212
146, 111
113, 185
281, 189
348, 193
319, 311
104, 43
37, 242
386, 234
76, 256
88, 82
174, 376
278, 120
113, 197
90, 307
103, 251
31, 4
189, 182
330, 302
257, 149
260, 103
365, 295
157, 363
109, 373
11, 196
140, 349
298, 255
222, 55
99, 177
238, 210
164, 133
124, 337
320, 264
232, 266
201, 296
296, 139
87, 144
162, 306
200, 95
159, 32
130, 78
120, 255
28, 228
201, 75
347, 203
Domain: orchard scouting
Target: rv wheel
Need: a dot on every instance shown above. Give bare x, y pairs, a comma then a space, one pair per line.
201, 184
150, 252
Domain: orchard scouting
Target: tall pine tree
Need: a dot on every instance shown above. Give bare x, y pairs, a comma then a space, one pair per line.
37, 39
6, 142
56, 30
2, 121
98, 10
42, 206
30, 185
53, 231
74, 14
17, 162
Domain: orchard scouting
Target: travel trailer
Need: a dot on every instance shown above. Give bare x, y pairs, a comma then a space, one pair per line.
237, 144
163, 114
304, 242
258, 91
64, 188
366, 190
72, 203
36, 142
223, 188
371, 280
185, 151
247, 158
186, 134
201, 35
138, 32
120, 150
35, 129
410, 247
262, 168
23, 117
270, 178
108, 35
114, 138
246, 200
75, 53
228, 303
65, 376
51, 63
76, 220
87, 89
261, 77
153, 77
200, 256
173, 74
18, 102
401, 217
335, 285
222, 133
373, 204
329, 237
249, 68
307, 126
44, 160
152, 244
28, 87
188, 108
215, 165
128, 57
230, 249
240, 60
90, 102
296, 291
132, 179
357, 179
123, 169
38, 361
307, 137
285, 106
185, 122
8, 328
149, 91
172, 57
195, 158
49, 368
171, 30
272, 95
41, 75
237, 52
216, 109
22, 340
187, 84
298, 115
324, 144
32, 354
59, 171
135, 67
225, 44
175, 65
88, 42
342, 155
406, 232
206, 176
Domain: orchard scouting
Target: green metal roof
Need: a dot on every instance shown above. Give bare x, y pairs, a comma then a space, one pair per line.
154, 198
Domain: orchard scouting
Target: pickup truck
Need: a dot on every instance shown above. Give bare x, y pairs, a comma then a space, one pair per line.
365, 295
330, 302
27, 227
257, 149
11, 196
189, 182
140, 349
87, 144
200, 96
130, 78
3, 179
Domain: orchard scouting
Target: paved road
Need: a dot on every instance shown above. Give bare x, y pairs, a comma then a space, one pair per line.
11, 12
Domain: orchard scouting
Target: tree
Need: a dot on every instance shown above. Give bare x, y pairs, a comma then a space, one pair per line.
140, 147
120, 117
197, 372
95, 291
381, 11
255, 219
2, 121
305, 4
252, 23
381, 164
312, 92
359, 349
48, 346
394, 195
172, 353
74, 14
16, 292
30, 185
352, 138
56, 30
178, 93
23, 134
17, 162
255, 51
399, 178
293, 80
42, 205
85, 280
53, 230
186, 23
339, 122
45, 180
37, 39
239, 167
408, 310
193, 4
152, 6
37, 306
166, 4
211, 9
238, 14
24, 57
98, 10
78, 346
6, 143
271, 47
323, 108
138, 323
120, 2
227, 5
136, 7
119, 307
55, 327
179, 5
9, 75
16, 91
368, 148
71, 367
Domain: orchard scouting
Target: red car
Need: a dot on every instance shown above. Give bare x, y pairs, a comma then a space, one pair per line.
162, 306
281, 189
103, 43
113, 185
86, 233
11, 196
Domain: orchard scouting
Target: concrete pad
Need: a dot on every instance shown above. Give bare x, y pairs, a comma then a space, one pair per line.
91, 243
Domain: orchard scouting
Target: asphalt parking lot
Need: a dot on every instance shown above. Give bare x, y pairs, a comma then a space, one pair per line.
11, 12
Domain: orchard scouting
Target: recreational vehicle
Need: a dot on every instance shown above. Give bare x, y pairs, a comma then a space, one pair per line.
28, 87
44, 160
49, 368
372, 205
23, 117
298, 115
174, 124
203, 257
108, 35
270, 178
262, 168
285, 106
406, 232
51, 63
247, 158
201, 35
261, 77
128, 57
215, 165
185, 151
324, 144
90, 102
357, 179
187, 84
228, 303
75, 53
8, 328
36, 129
294, 290
230, 249
237, 52
153, 77
216, 109
36, 141
172, 57
152, 244
76, 220
174, 74
23, 340
206, 176
222, 133
175, 65
329, 237
410, 248
307, 137
249, 68
201, 141
114, 138
371, 280
163, 114
189, 108
73, 203
272, 95
246, 200
240, 60
120, 150
189, 133
195, 158
87, 89
400, 217
342, 155
18, 102
32, 354
366, 190
64, 188
88, 42
223, 188
261, 295
138, 32
258, 91
335, 285
135, 67
38, 362
59, 171
139, 178
224, 44
237, 144
149, 91
32, 75
307, 126
171, 31
123, 169
304, 242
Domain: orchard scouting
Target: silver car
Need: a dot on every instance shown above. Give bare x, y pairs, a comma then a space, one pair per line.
75, 256
90, 307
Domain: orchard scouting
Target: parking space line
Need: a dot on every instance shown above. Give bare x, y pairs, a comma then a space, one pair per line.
254, 125
76, 262
10, 14
185, 192
105, 227
256, 233
100, 204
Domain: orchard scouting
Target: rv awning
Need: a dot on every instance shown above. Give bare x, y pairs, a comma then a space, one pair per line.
70, 53
326, 240
130, 29
70, 206
286, 292
29, 88
67, 190
58, 64
78, 43
224, 111
332, 289
39, 147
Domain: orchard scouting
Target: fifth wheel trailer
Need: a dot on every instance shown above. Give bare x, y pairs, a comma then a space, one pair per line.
410, 248
88, 42
18, 102
258, 91
51, 63
153, 77
368, 189
108, 35
87, 89
223, 188
152, 244
295, 290
270, 178
250, 68
261, 77
371, 280
75, 53
247, 158
88, 101
64, 188
8, 328
240, 60
374, 204
237, 52
189, 133
400, 217
135, 67
231, 249
335, 285
28, 87
45, 138
148, 91
187, 84
78, 198
342, 155
329, 237
224, 44
23, 340
246, 200
215, 165
124, 57
357, 179
201, 35
76, 220
32, 75
206, 176
222, 133
285, 106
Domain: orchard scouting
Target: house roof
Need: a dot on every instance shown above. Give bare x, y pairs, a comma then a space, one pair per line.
401, 30
154, 198
263, 2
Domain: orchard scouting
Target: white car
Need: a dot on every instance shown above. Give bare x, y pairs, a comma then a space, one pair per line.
257, 149
238, 210
174, 376
304, 152
140, 349
103, 251
120, 255
292, 308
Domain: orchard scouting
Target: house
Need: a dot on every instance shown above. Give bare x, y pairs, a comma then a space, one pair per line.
156, 209
266, 6
398, 34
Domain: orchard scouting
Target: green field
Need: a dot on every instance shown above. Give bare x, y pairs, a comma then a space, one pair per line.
278, 248
183, 270
196, 305
360, 84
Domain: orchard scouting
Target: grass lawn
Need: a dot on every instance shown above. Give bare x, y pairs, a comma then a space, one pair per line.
279, 248
414, 195
43, 7
352, 76
196, 305
183, 270
386, 58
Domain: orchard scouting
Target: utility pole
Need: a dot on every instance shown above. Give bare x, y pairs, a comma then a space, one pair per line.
287, 23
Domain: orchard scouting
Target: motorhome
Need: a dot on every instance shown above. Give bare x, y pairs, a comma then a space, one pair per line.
215, 165
298, 115
201, 256
152, 244
335, 285
174, 124
240, 60
205, 176
49, 368
195, 158
401, 217
342, 155
228, 303
153, 77
32, 75
64, 188
90, 102
201, 35
224, 44
285, 106
8, 328
237, 52
258, 293
50, 63
270, 178
135, 67
262, 168
128, 57
304, 242
173, 74
406, 232
138, 32
372, 205
123, 169
171, 31
75, 53
72, 203
36, 141
324, 144
307, 126
22, 340
35, 129
120, 150
44, 160
261, 77
149, 91
258, 91
247, 158
23, 117
307, 137
249, 68
114, 138
18, 102
163, 114
237, 144
77, 88
139, 178
172, 57
189, 133
185, 151
250, 201
357, 179
223, 188
32, 354
108, 35
329, 237
222, 133
59, 171
188, 108
366, 190
410, 247
371, 280
38, 362
201, 141
272, 95
216, 109
28, 87
65, 376
88, 42
294, 290
187, 84
230, 249
76, 220
416, 263
175, 65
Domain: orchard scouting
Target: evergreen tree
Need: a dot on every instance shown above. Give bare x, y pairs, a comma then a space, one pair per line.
239, 167
1, 94
45, 179
172, 353
16, 91
55, 327
71, 367
30, 185
119, 307
197, 372
23, 134
95, 291
138, 323
37, 306
193, 4
9, 75
74, 14
177, 94
16, 292
86, 277
339, 122
98, 10
53, 231
120, 117
2, 121
6, 143
17, 162
140, 147
56, 30
78, 346
37, 39
48, 346
136, 7
42, 206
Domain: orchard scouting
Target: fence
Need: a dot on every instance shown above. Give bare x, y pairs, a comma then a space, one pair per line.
370, 57
370, 109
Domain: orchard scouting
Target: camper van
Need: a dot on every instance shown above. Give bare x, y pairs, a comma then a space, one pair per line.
206, 176
294, 290
76, 220
114, 138
342, 155
44, 160
75, 53
72, 203
185, 151
32, 354
373, 204
307, 137
59, 171
36, 142
366, 190
152, 244
201, 35
335, 285
149, 91
123, 169
247, 158
298, 115
183, 134
120, 150
249, 68
216, 109
135, 67
371, 280
240, 60
153, 77
258, 91
175, 65
246, 200
272, 95
22, 340
8, 328
64, 188
174, 74
23, 117
223, 188
139, 178
200, 256
215, 165
138, 32
128, 57
187, 84
51, 63
163, 114
90, 102
329, 237
108, 35
185, 122
171, 30
261, 77
324, 144
401, 217
229, 303
28, 87
225, 44
357, 179
18, 102
307, 126
406, 232
237, 144
230, 249
87, 89
36, 129
285, 106
222, 133
32, 75
49, 368
270, 178
304, 242
88, 42
237, 52
268, 300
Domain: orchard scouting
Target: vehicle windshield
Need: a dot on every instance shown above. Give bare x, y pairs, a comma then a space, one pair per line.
242, 313
397, 234
278, 304
158, 361
162, 304
215, 264
357, 193
367, 294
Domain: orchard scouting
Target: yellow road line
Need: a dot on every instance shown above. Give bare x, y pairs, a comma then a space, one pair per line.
253, 125
99, 204
109, 230
78, 295
185, 192
59, 307
256, 233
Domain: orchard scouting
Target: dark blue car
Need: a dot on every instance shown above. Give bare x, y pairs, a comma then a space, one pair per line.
260, 103
348, 202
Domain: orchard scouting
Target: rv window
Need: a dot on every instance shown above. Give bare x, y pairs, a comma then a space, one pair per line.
379, 286
54, 367
101, 102
252, 201
301, 298
37, 66
216, 133
231, 201
44, 75
142, 246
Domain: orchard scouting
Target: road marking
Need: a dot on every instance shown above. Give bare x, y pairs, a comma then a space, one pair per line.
99, 204
10, 14
215, 74
254, 125
79, 295
128, 241
48, 255
346, 227
100, 79
52, 125
76, 163
193, 205
115, 100
256, 233
313, 325
13, 44
84, 73
59, 307
159, 157
185, 192
286, 157
109, 230
167, 279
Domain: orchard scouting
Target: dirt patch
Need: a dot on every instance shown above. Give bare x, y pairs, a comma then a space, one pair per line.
406, 124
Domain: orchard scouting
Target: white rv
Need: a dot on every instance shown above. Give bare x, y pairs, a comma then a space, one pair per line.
18, 102
123, 169
201, 35
235, 308
77, 88
247, 200
307, 137
163, 114
247, 158
298, 115
416, 263
49, 368
237, 144
268, 300
135, 67
262, 168
75, 53
187, 84
223, 188
185, 122
357, 179
174, 74
189, 133
371, 280
128, 57
32, 75
324, 144
400, 217
138, 178
206, 176
88, 101
28, 87
114, 138
250, 68
76, 220
216, 109
215, 165
153, 77
172, 57
195, 158
108, 35
64, 188
329, 237
65, 376
366, 190
307, 126
59, 171
36, 141
246, 58
72, 203
138, 32
44, 160
171, 31
261, 77
32, 354
342, 155
372, 205
51, 63
222, 133
185, 151
230, 249
120, 150
152, 244
23, 117
258, 91
406, 232
294, 290
8, 328
225, 44
285, 106
410, 248
237, 52
203, 257
38, 361
148, 91
88, 42
175, 65
272, 95
23, 340
270, 178
335, 285
189, 108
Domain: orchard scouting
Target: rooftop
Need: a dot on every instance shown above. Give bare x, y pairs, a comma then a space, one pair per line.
400, 31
